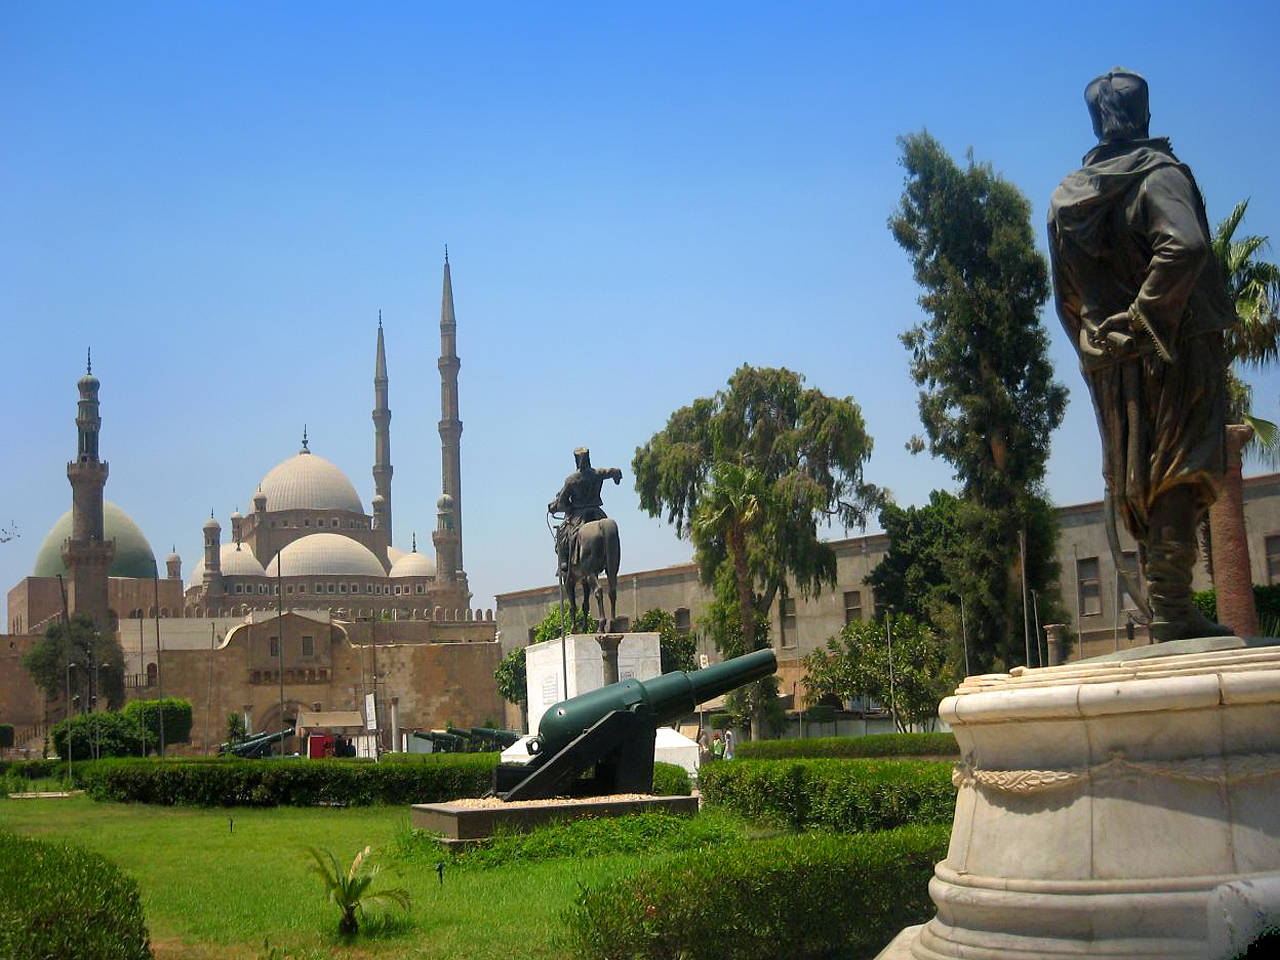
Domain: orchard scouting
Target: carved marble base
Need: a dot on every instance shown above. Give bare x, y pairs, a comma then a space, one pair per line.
1104, 807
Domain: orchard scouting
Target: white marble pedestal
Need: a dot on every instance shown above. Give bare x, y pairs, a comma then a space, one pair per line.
1103, 809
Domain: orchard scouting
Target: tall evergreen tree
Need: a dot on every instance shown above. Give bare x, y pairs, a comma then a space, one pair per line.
988, 400
747, 475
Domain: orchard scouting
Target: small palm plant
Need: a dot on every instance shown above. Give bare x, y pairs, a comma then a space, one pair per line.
350, 890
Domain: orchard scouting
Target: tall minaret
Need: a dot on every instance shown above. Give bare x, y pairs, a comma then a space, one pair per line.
382, 468
448, 535
86, 554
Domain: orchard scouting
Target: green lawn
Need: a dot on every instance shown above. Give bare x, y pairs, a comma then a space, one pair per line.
210, 891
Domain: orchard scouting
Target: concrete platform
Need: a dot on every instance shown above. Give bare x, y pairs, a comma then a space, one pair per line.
468, 822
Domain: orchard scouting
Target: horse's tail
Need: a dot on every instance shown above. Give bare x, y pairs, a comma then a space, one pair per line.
612, 548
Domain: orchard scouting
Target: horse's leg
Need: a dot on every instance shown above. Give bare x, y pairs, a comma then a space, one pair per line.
571, 587
586, 603
605, 625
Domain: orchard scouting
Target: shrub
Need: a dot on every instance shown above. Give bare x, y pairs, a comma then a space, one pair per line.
1266, 599
634, 834
671, 780
299, 783
108, 733
842, 795
876, 745
6, 735
32, 769
59, 901
809, 896
177, 719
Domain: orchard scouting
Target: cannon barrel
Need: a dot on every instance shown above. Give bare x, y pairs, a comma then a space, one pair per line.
663, 698
504, 738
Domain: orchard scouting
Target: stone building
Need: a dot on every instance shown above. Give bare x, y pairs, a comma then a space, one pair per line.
1089, 587
307, 548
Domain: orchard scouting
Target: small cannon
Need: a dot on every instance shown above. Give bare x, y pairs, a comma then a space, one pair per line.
256, 747
442, 742
501, 738
612, 731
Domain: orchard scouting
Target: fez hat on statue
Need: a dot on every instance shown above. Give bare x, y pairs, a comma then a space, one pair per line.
580, 455
1118, 105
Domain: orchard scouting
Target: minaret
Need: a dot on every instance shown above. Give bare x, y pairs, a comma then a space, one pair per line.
86, 554
173, 564
212, 557
448, 535
382, 468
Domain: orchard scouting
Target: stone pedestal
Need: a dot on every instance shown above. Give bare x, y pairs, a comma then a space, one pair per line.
637, 656
1103, 807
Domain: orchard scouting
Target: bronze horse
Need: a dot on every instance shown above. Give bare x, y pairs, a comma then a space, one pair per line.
594, 550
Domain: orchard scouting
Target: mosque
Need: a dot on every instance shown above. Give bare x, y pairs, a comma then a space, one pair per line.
307, 547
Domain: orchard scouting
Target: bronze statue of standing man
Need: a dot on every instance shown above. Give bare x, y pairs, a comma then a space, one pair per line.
1140, 294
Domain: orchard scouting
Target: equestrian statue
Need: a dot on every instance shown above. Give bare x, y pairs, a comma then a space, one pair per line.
586, 540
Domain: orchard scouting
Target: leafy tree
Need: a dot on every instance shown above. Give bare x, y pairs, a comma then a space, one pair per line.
747, 474
677, 648
146, 715
552, 626
857, 663
914, 577
511, 677
106, 733
988, 401
47, 660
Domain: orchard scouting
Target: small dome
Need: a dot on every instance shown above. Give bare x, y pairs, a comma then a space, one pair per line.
237, 516
444, 503
134, 556
88, 383
413, 565
309, 482
326, 555
211, 524
378, 500
173, 558
234, 563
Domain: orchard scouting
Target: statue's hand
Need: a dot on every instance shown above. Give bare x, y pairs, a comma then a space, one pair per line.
617, 478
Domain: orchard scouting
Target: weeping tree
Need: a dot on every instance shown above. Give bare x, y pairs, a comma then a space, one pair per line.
748, 475
988, 401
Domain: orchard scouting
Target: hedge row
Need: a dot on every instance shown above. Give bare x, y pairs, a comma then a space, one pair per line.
875, 745
843, 795
811, 895
299, 783
32, 769
1266, 600
59, 901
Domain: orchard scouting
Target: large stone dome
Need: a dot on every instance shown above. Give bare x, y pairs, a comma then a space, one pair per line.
134, 556
309, 482
234, 563
326, 555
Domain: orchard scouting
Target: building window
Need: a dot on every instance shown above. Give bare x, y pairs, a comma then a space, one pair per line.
1273, 559
335, 523
852, 605
302, 588
320, 522
368, 588
288, 588
330, 588
306, 522
319, 588
308, 646
1088, 587
355, 588
342, 588
274, 644
683, 622
417, 588
788, 614
239, 588
1130, 562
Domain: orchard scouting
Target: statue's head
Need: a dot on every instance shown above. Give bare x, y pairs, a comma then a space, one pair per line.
582, 457
1118, 105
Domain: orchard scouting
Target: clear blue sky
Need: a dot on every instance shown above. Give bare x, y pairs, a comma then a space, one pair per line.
219, 197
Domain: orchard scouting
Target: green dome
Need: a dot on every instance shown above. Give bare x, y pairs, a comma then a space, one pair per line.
134, 556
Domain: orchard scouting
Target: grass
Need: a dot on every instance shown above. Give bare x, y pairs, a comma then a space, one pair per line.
211, 891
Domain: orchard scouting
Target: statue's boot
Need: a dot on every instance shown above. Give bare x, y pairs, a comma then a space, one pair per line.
1171, 556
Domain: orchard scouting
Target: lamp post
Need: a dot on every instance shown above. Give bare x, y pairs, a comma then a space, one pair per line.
70, 725
888, 632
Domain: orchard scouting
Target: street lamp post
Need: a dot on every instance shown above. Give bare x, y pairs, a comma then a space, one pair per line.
70, 725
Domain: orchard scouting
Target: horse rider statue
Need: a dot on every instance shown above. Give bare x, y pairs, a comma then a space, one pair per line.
579, 501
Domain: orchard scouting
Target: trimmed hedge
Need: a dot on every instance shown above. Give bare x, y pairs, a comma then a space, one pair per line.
298, 783
811, 895
875, 745
59, 901
145, 714
844, 795
671, 780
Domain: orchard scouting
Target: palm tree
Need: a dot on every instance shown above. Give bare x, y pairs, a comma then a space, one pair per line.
1254, 287
350, 890
732, 507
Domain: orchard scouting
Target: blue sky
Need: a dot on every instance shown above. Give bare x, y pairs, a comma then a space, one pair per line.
219, 198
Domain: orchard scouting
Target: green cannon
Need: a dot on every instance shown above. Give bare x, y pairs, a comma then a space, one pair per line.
443, 742
608, 734
501, 738
257, 746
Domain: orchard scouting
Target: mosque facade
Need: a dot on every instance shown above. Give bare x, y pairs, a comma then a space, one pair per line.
307, 546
